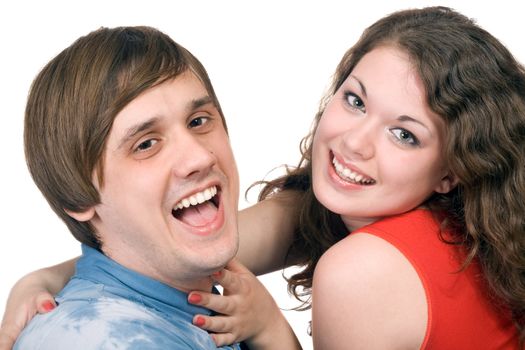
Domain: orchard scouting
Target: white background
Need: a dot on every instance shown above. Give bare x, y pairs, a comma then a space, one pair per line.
269, 61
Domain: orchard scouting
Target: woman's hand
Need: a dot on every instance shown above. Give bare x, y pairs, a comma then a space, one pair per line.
246, 311
32, 294
26, 299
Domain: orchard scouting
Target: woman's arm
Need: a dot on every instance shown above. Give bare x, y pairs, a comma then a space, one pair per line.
31, 294
266, 232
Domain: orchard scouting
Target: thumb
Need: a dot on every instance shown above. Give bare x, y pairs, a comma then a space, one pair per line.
45, 303
235, 265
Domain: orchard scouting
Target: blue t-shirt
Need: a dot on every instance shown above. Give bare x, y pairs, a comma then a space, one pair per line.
107, 306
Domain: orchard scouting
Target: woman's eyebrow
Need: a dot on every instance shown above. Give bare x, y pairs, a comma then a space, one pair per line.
361, 85
407, 118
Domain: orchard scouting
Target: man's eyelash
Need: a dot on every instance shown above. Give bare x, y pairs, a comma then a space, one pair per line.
149, 143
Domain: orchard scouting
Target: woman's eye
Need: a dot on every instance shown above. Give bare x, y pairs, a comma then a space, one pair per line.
145, 145
354, 101
405, 137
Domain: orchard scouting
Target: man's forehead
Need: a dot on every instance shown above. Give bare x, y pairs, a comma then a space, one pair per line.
180, 94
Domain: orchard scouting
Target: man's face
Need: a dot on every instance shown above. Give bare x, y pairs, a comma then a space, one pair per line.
170, 193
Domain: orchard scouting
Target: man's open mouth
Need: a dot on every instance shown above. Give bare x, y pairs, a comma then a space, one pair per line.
199, 209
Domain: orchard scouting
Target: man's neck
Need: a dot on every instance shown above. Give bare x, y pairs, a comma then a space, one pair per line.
185, 282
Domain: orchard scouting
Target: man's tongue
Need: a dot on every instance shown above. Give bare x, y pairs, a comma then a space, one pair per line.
197, 215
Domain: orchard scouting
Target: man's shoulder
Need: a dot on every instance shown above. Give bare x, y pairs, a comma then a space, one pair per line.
111, 323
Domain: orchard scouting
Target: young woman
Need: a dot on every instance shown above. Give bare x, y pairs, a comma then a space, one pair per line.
419, 152
410, 193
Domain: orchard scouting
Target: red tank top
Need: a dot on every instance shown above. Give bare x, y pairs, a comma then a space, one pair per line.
461, 315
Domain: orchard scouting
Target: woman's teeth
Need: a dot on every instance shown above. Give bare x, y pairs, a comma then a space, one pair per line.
197, 198
351, 176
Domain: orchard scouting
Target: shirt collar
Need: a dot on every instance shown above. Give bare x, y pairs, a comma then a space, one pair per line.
117, 279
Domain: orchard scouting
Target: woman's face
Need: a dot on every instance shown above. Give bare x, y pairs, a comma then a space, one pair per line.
377, 150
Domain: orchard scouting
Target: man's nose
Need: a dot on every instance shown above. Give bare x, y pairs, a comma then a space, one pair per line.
192, 156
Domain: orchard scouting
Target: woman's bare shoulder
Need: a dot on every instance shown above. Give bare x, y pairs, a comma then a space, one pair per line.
367, 294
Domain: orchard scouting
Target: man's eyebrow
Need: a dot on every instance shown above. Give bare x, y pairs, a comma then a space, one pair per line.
199, 102
136, 129
361, 85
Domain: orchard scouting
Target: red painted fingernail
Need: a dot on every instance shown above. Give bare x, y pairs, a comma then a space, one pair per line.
199, 321
195, 298
47, 305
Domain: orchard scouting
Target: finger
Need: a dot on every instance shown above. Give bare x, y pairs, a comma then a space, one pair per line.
229, 280
235, 265
45, 303
218, 303
215, 324
223, 339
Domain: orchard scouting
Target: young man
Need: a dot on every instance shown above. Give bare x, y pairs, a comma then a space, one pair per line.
125, 138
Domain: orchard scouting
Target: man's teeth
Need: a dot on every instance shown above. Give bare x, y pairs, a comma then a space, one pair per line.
197, 198
350, 175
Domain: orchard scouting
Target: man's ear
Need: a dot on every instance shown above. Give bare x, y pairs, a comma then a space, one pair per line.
81, 216
447, 183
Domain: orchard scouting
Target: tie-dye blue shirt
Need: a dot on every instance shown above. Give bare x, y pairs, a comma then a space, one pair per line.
107, 306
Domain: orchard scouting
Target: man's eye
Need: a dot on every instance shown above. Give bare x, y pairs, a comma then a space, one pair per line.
145, 145
354, 101
199, 121
405, 137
